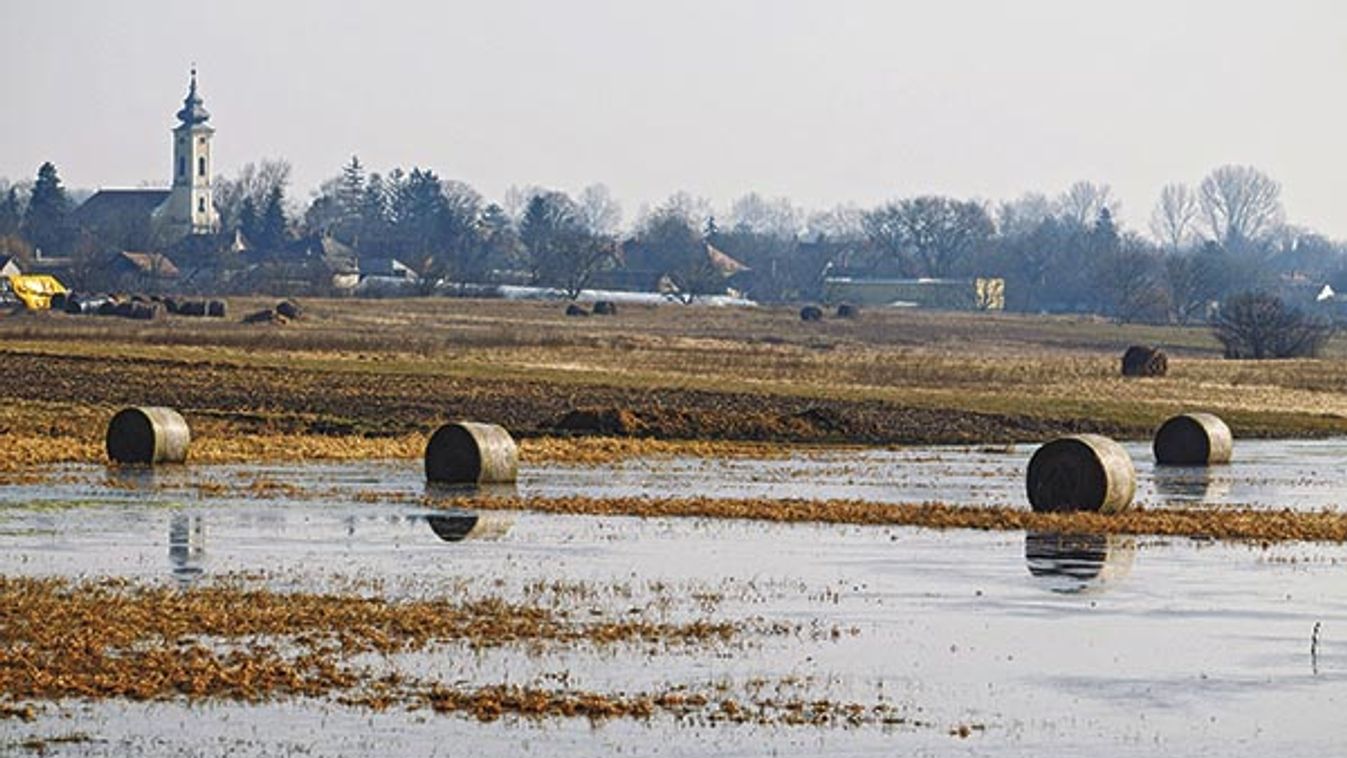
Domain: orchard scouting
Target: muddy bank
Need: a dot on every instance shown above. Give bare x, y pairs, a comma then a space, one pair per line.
251, 399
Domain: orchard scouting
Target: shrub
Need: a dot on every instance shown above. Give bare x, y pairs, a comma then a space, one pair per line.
1259, 325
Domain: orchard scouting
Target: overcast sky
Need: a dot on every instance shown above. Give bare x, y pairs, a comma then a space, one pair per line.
824, 102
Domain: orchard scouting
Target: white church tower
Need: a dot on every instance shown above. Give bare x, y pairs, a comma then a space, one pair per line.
189, 208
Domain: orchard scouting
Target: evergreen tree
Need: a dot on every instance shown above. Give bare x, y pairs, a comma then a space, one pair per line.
10, 217
248, 222
45, 224
372, 230
350, 198
271, 227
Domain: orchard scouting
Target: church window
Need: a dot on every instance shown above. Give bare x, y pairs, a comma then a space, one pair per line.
201, 205
201, 166
182, 167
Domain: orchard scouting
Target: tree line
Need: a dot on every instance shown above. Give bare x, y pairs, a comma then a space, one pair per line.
1062, 253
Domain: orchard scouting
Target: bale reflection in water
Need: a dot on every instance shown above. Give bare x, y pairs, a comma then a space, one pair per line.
458, 525
1189, 485
186, 548
1071, 563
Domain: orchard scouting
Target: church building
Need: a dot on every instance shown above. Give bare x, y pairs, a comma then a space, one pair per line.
144, 218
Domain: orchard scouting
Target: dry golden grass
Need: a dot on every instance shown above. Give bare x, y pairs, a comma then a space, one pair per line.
1233, 524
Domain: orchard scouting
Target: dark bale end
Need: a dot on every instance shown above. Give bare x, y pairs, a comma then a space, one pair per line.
605, 308
290, 309
192, 308
1141, 360
847, 310
1085, 472
58, 302
811, 313
576, 310
471, 453
216, 309
1193, 439
147, 436
146, 311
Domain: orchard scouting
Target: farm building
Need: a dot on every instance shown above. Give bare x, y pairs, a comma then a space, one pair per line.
981, 294
9, 266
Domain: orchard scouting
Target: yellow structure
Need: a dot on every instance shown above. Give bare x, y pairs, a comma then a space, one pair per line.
33, 290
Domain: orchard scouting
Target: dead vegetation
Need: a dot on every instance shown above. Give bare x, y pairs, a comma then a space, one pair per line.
1241, 524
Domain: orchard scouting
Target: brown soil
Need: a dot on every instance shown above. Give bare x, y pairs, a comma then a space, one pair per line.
256, 399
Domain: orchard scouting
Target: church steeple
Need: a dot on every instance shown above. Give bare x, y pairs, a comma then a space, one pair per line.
190, 209
192, 113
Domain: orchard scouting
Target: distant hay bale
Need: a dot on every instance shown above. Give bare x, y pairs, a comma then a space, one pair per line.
145, 311
216, 309
1142, 360
171, 304
265, 316
467, 452
289, 309
1085, 472
1193, 439
192, 308
847, 310
58, 302
605, 308
108, 307
574, 309
811, 313
148, 435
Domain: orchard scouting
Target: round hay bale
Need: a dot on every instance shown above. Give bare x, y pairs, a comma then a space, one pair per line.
148, 435
171, 303
466, 452
192, 308
576, 310
1193, 439
107, 307
58, 302
265, 316
1141, 360
216, 309
290, 309
847, 310
811, 313
1085, 472
605, 308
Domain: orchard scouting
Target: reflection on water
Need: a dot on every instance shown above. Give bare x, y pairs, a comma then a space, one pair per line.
458, 525
1070, 563
1189, 485
187, 547
136, 478
442, 491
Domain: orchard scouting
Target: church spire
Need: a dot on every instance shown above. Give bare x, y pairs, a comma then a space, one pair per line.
192, 113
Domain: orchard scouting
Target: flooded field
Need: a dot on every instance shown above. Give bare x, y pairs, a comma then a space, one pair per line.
846, 640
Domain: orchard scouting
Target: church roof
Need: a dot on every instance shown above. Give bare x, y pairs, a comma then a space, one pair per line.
117, 206
192, 112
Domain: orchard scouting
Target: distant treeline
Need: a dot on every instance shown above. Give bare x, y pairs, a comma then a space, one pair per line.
1063, 253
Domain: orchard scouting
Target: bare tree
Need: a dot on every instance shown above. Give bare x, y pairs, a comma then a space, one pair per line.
599, 210
844, 223
1174, 217
1258, 325
1240, 206
256, 182
777, 217
1023, 214
1082, 202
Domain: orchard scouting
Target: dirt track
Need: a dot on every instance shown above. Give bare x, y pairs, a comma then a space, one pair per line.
262, 399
